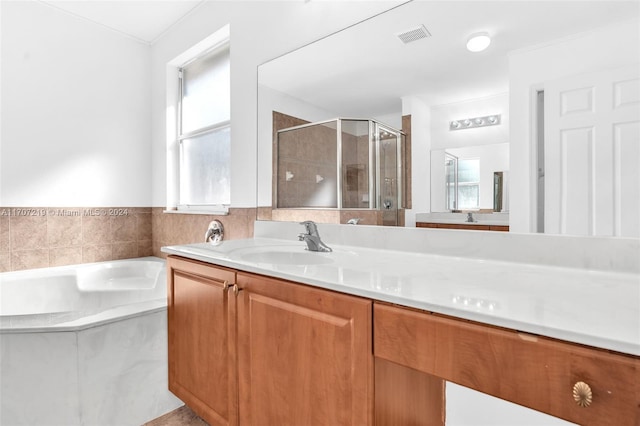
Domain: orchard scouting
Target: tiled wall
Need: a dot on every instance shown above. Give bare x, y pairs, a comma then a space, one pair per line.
304, 155
174, 228
38, 237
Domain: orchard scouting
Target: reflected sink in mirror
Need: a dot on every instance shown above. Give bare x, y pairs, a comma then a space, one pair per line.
282, 255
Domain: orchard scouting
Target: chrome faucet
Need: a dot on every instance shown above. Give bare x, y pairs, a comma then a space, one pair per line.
312, 238
470, 217
215, 233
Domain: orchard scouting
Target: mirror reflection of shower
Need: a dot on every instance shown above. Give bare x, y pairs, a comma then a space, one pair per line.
341, 164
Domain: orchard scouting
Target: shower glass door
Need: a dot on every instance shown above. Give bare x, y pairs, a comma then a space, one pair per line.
451, 180
389, 172
355, 164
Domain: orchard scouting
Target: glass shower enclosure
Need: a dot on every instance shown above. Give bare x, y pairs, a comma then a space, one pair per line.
342, 163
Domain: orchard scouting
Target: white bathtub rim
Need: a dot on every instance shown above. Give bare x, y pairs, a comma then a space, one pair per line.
92, 320
59, 270
113, 315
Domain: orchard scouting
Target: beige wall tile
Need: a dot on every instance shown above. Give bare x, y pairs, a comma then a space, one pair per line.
64, 231
159, 225
97, 253
5, 233
125, 250
5, 262
96, 230
157, 245
29, 259
123, 228
65, 256
145, 248
63, 236
29, 232
143, 226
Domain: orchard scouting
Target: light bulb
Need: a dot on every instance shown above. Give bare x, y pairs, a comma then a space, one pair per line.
478, 42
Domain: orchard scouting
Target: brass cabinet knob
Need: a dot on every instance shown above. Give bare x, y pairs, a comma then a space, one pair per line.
236, 289
582, 394
225, 285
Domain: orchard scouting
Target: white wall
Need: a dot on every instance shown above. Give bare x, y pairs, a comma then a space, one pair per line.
441, 115
596, 50
260, 31
420, 163
81, 103
75, 111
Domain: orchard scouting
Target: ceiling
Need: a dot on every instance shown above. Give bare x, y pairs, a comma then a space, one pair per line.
366, 70
143, 20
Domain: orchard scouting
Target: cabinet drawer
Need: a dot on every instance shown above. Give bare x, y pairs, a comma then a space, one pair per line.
532, 371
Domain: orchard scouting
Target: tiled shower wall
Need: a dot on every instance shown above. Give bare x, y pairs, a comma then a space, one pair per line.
38, 237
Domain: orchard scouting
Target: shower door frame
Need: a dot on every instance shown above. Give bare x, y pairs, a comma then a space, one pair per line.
374, 160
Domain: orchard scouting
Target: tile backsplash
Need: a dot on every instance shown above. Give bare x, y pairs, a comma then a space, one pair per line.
38, 237
175, 228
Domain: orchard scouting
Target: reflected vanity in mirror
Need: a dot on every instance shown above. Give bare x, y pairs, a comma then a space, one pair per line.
532, 165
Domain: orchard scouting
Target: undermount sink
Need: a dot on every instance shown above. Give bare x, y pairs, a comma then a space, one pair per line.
285, 255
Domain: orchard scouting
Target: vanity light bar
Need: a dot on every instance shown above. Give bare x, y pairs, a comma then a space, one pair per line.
469, 123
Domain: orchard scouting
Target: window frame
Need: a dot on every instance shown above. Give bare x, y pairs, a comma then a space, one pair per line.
216, 42
468, 184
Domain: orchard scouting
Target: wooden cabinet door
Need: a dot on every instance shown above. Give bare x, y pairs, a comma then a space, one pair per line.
202, 339
305, 355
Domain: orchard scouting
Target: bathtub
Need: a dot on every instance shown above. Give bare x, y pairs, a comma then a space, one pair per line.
84, 344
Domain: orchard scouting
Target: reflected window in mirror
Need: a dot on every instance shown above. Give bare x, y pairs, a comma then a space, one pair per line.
469, 183
462, 182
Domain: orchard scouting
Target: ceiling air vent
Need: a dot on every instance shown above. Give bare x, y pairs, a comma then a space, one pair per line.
413, 34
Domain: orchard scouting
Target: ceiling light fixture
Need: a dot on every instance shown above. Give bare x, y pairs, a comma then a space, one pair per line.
469, 123
478, 42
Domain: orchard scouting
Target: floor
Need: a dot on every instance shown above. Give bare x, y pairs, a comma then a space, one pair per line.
183, 416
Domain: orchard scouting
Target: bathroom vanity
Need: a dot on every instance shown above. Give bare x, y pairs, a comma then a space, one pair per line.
477, 221
263, 332
467, 226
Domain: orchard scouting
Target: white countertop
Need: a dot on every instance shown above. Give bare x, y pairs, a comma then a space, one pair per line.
588, 306
500, 219
464, 222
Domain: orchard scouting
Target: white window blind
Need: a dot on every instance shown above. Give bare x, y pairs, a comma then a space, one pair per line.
204, 132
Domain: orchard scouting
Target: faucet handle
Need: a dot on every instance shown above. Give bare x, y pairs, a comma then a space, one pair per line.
215, 232
310, 227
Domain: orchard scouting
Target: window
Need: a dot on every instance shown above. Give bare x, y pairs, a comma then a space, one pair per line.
204, 131
468, 183
462, 180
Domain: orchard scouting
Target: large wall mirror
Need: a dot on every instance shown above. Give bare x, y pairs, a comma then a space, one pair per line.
410, 70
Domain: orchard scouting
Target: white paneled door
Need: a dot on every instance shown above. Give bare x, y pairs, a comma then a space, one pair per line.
592, 154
